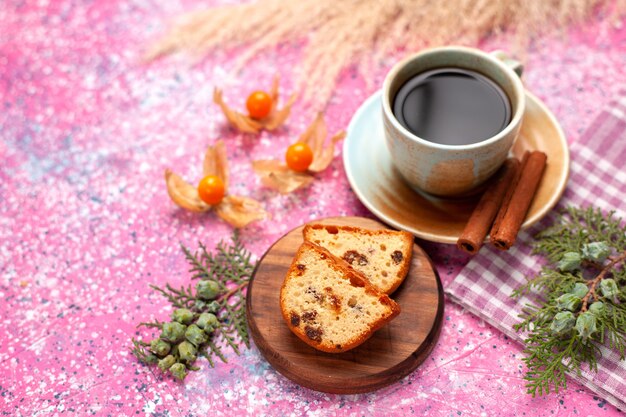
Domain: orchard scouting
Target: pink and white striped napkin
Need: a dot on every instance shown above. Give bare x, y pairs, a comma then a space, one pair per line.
597, 178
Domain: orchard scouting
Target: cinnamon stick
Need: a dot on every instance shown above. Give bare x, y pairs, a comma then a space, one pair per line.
513, 212
507, 197
487, 208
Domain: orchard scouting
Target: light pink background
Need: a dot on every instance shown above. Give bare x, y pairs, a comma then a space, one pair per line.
86, 225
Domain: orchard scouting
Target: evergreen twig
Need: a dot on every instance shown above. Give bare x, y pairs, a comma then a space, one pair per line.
580, 297
229, 270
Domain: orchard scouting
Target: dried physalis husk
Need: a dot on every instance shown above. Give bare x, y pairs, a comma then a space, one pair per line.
235, 210
184, 194
279, 177
245, 123
216, 162
276, 175
239, 211
315, 137
277, 117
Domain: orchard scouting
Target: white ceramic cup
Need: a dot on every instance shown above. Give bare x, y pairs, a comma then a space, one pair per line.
451, 170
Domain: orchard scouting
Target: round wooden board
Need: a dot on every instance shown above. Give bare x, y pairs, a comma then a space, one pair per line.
391, 353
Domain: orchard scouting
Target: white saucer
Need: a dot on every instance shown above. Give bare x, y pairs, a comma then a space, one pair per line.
382, 190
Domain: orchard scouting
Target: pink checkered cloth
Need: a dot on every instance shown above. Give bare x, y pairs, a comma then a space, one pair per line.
597, 178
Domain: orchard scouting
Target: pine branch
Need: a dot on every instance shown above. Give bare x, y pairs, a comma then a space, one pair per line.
182, 298
227, 333
211, 314
615, 330
234, 291
198, 269
152, 324
215, 350
241, 320
140, 351
580, 297
550, 281
594, 283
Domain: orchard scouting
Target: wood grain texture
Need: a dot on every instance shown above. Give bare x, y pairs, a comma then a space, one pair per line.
390, 354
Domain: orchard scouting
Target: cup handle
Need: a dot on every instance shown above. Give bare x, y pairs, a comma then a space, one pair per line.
510, 62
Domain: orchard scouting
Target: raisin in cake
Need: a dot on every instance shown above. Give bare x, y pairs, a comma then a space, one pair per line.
329, 305
383, 256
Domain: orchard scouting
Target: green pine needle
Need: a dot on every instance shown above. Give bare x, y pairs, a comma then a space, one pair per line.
140, 350
182, 298
231, 267
552, 353
152, 324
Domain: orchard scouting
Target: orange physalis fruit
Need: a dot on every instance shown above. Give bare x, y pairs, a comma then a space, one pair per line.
312, 153
263, 111
210, 193
299, 157
211, 189
259, 104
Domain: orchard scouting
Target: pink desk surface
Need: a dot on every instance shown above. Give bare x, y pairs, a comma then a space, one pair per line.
86, 225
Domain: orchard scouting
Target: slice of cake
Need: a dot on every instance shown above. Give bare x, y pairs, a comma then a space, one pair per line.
383, 256
329, 305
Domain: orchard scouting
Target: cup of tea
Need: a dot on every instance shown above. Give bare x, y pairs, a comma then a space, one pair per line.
451, 115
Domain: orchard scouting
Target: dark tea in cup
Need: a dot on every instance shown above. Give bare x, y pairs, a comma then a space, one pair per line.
452, 106
450, 117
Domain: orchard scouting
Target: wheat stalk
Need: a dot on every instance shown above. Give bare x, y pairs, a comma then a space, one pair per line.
338, 33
